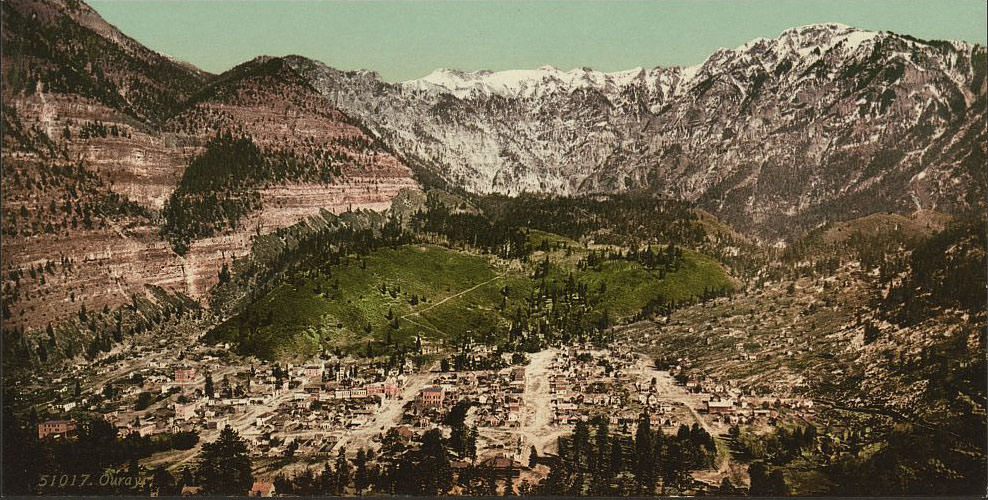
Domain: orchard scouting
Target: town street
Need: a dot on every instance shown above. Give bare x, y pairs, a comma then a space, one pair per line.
536, 429
667, 390
386, 417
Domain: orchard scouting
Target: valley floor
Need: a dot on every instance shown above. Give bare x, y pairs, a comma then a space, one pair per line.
748, 370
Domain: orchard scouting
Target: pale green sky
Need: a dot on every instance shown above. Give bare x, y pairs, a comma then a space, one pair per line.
404, 39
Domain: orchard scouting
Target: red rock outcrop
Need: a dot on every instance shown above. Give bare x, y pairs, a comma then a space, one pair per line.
93, 160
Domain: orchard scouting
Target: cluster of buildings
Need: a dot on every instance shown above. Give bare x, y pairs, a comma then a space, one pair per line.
312, 409
495, 395
302, 408
56, 428
584, 383
729, 405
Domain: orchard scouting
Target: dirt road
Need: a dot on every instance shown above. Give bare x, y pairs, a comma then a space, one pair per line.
386, 417
536, 429
669, 391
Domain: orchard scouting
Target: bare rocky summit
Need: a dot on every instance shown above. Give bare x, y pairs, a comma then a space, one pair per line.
823, 123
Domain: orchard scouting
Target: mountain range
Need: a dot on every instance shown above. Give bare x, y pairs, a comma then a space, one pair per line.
126, 168
825, 122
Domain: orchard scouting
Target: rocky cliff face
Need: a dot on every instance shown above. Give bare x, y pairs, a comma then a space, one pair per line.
98, 133
66, 47
822, 123
825, 122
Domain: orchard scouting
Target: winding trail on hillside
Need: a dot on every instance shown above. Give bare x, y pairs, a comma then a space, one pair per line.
423, 325
468, 290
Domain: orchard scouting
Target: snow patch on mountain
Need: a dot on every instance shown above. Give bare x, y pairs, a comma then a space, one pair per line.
811, 41
533, 83
823, 121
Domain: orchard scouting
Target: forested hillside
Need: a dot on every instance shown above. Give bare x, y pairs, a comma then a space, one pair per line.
493, 279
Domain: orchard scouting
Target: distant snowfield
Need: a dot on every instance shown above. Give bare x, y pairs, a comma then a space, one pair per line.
805, 41
521, 82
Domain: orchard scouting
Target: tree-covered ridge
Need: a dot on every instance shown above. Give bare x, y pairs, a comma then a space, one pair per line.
945, 271
359, 285
500, 236
215, 191
619, 219
925, 262
263, 82
632, 220
59, 48
260, 80
274, 128
221, 185
266, 99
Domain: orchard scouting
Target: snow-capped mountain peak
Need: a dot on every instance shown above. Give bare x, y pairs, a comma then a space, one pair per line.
778, 132
803, 42
525, 83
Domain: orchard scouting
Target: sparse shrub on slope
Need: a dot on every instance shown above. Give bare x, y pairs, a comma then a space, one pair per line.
948, 270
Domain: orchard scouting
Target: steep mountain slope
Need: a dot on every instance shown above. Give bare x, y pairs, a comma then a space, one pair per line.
825, 122
83, 164
97, 92
70, 239
891, 347
99, 134
65, 46
297, 155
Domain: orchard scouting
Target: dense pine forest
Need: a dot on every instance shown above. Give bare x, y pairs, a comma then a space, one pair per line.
220, 186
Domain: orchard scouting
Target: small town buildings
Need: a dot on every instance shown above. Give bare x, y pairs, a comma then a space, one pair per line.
185, 375
262, 489
501, 465
56, 428
313, 372
719, 406
313, 390
432, 396
375, 389
144, 429
185, 411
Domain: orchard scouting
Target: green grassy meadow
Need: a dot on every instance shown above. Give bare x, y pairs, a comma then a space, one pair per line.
436, 293
629, 285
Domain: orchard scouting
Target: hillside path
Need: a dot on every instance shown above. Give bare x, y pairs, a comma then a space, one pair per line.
468, 290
